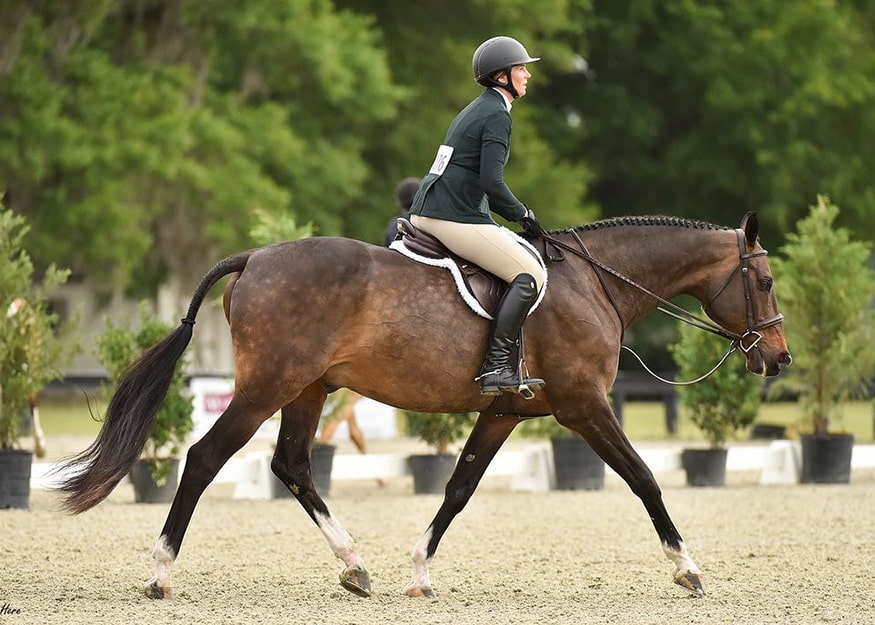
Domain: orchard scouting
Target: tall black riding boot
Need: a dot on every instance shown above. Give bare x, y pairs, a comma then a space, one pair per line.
497, 375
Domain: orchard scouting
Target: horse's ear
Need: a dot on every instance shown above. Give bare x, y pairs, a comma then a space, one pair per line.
750, 223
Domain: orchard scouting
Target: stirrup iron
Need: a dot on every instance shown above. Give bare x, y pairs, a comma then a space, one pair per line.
527, 386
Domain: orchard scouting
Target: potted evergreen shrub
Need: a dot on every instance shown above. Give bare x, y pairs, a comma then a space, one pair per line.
719, 405
826, 289
576, 466
32, 350
439, 430
155, 475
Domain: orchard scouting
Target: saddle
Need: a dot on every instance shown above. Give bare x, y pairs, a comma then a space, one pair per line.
481, 290
483, 286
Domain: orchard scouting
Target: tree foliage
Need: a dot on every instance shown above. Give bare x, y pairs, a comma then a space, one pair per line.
32, 348
727, 400
696, 108
433, 63
272, 227
140, 138
439, 429
826, 290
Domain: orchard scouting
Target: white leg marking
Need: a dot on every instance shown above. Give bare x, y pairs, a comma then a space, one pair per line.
419, 555
163, 556
681, 559
341, 542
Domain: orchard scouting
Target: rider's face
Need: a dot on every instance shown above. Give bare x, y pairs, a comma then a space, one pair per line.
520, 77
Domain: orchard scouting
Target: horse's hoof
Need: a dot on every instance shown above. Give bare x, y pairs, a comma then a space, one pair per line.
357, 581
154, 591
417, 591
694, 582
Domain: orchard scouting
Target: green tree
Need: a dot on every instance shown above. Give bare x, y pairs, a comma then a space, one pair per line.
140, 139
32, 348
270, 228
696, 108
826, 290
429, 45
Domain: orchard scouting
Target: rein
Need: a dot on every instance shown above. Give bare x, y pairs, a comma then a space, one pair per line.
737, 341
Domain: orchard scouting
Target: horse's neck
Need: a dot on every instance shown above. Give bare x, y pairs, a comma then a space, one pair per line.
666, 260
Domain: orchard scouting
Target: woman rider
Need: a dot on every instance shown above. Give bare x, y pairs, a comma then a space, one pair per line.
466, 182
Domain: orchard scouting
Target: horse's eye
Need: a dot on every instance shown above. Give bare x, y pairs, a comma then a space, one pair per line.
766, 284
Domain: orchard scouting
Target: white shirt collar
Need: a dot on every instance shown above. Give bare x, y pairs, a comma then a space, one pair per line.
507, 102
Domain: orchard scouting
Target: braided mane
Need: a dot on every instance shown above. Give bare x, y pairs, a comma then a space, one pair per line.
645, 220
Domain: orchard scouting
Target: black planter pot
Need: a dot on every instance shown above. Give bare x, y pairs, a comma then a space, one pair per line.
145, 488
321, 464
577, 466
15, 465
826, 458
431, 472
705, 467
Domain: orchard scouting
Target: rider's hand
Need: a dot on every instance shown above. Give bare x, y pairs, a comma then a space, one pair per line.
531, 224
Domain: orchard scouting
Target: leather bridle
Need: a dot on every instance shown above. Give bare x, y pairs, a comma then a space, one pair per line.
753, 326
745, 341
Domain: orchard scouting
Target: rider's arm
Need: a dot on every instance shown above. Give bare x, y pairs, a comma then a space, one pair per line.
493, 156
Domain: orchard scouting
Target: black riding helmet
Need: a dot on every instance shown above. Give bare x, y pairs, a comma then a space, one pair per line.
499, 54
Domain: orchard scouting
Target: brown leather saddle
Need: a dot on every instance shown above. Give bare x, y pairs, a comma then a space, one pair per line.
484, 286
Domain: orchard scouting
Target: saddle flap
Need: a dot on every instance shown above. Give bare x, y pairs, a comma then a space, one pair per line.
483, 285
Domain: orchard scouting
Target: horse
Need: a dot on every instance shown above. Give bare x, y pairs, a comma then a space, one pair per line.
314, 315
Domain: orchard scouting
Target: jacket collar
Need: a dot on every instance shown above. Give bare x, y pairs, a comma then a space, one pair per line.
507, 103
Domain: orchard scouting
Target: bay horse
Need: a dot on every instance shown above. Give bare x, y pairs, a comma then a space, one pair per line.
310, 316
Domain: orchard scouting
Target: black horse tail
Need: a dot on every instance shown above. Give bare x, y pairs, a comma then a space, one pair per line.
95, 472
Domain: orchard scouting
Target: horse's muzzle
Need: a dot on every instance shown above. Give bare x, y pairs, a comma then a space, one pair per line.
771, 368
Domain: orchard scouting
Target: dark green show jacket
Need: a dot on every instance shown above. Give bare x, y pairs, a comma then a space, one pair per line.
466, 180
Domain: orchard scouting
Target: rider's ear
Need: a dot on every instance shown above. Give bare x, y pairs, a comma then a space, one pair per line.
750, 223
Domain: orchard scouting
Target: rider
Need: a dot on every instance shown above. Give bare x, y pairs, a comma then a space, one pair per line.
466, 182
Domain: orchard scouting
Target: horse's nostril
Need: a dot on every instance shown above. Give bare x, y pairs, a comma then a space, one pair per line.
785, 359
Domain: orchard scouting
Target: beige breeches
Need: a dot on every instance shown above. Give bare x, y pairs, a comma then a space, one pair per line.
487, 245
